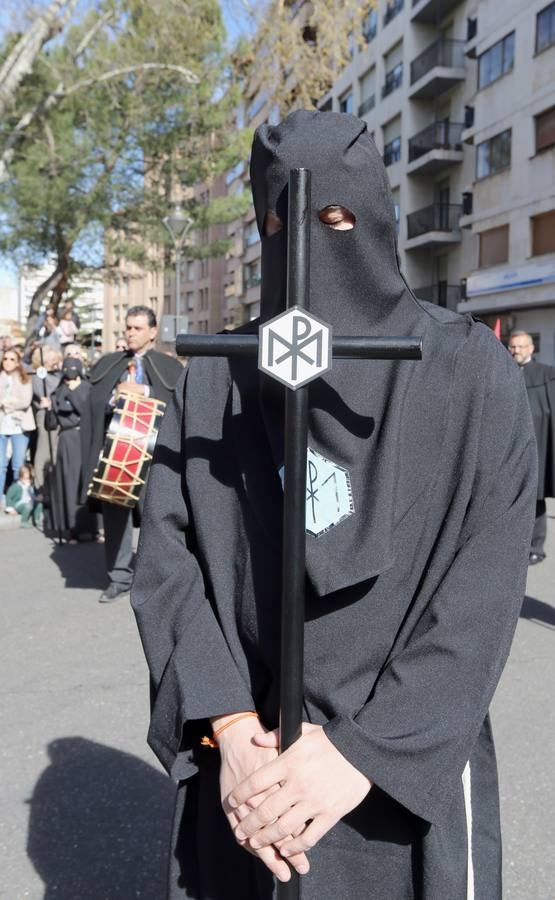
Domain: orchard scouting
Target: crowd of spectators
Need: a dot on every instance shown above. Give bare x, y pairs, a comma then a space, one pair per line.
43, 385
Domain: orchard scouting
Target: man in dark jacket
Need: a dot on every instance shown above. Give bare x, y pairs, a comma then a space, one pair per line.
155, 375
540, 386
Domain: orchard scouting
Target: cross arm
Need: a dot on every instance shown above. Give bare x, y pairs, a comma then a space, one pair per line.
343, 347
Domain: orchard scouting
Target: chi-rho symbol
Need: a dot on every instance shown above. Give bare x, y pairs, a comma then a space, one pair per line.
295, 347
329, 497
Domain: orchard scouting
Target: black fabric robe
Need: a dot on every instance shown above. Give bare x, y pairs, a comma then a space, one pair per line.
162, 373
400, 669
411, 601
540, 385
70, 517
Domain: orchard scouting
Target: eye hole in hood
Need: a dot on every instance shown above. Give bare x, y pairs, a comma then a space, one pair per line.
337, 217
272, 224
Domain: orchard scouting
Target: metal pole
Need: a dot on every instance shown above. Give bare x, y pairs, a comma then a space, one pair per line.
177, 285
294, 540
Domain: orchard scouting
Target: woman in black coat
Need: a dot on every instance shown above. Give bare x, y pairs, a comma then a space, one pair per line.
68, 400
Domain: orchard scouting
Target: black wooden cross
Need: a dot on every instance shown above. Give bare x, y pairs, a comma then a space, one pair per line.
273, 350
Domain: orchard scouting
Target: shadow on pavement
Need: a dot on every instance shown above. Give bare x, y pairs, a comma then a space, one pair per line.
81, 565
538, 611
100, 823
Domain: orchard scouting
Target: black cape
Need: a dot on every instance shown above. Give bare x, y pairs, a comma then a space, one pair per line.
162, 373
401, 657
71, 518
540, 385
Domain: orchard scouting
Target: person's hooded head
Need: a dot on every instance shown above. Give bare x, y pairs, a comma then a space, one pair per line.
357, 408
72, 368
355, 282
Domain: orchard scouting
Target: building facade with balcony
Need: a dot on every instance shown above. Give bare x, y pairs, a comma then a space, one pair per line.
459, 96
243, 263
130, 286
511, 128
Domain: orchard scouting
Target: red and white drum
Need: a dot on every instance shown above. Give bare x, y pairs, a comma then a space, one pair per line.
124, 461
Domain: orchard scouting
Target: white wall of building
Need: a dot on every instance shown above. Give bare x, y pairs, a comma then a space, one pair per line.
511, 197
88, 293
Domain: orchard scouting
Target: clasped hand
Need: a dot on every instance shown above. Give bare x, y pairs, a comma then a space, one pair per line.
295, 798
240, 757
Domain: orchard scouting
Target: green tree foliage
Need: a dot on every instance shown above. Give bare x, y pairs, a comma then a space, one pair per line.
130, 101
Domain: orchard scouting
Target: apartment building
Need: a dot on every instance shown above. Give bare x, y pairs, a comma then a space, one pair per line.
511, 128
459, 96
131, 286
201, 279
243, 264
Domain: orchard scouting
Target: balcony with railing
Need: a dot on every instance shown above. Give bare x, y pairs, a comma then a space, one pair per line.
443, 294
393, 80
433, 226
468, 131
437, 69
367, 104
393, 8
471, 36
392, 152
432, 11
252, 281
370, 26
436, 147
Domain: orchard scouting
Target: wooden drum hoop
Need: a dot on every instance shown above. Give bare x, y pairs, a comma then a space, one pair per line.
127, 453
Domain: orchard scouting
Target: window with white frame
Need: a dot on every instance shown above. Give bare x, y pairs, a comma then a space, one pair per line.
497, 61
493, 155
392, 141
545, 28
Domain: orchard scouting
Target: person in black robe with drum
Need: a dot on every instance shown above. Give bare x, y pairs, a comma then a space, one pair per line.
412, 594
71, 519
540, 386
139, 371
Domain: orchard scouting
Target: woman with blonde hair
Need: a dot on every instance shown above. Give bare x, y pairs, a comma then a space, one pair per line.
16, 416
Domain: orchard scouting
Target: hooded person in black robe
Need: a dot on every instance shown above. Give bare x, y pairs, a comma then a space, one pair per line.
540, 386
412, 598
71, 518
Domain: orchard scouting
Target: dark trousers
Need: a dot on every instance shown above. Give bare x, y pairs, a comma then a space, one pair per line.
118, 543
540, 528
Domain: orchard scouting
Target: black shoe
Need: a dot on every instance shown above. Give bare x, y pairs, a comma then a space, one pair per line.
535, 558
113, 592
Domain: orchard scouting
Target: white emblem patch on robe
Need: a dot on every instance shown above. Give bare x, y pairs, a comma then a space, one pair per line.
329, 497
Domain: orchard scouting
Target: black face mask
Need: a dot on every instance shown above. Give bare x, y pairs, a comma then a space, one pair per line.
356, 410
71, 369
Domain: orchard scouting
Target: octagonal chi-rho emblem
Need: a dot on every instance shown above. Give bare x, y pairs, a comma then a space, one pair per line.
295, 347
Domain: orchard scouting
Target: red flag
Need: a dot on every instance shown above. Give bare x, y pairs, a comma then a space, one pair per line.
497, 329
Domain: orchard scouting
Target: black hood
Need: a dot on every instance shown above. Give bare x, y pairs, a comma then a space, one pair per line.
355, 283
356, 286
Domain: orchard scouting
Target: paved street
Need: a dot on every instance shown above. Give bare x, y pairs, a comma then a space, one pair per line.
84, 808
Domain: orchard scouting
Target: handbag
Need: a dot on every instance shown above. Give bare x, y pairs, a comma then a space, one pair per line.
50, 420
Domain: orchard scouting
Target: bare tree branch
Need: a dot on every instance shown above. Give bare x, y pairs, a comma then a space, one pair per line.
189, 76
61, 92
91, 34
20, 61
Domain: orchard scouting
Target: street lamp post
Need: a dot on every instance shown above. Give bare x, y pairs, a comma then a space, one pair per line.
178, 225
